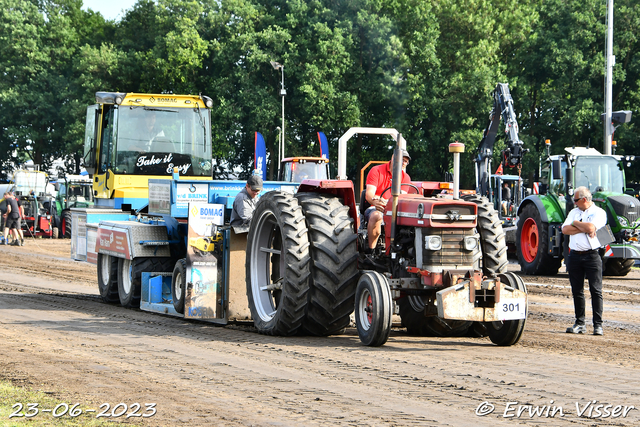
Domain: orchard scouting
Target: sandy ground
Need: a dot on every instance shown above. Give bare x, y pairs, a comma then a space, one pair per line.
56, 335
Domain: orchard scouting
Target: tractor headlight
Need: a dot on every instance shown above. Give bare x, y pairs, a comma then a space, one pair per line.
470, 243
623, 221
433, 243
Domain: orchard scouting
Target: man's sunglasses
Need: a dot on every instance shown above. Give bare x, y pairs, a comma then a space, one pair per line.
578, 199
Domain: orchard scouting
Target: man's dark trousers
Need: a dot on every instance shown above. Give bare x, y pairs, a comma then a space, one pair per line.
589, 265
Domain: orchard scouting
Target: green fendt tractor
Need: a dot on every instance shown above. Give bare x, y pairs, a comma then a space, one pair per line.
540, 243
74, 191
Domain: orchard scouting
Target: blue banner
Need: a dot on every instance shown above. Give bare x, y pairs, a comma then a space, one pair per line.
324, 145
261, 157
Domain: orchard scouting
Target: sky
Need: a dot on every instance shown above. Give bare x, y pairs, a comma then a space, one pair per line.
110, 9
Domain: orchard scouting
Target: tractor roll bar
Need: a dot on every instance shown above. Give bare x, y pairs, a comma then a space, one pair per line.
342, 144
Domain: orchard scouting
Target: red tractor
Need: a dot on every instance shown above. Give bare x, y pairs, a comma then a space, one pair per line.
441, 265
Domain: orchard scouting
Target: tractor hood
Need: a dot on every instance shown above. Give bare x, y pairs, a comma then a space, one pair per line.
417, 211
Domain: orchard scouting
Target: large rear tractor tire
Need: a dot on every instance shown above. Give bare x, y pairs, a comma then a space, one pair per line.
374, 309
130, 277
618, 267
492, 238
178, 285
334, 270
508, 332
108, 278
532, 244
66, 224
277, 266
411, 310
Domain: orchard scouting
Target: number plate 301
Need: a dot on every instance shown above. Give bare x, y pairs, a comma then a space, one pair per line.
511, 309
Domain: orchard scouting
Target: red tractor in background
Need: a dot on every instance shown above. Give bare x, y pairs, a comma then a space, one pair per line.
32, 188
441, 265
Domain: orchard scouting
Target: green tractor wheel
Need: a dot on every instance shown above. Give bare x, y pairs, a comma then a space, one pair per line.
532, 244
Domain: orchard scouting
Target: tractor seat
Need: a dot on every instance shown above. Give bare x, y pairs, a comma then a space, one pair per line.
364, 204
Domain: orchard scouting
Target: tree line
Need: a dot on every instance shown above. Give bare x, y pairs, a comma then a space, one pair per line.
426, 68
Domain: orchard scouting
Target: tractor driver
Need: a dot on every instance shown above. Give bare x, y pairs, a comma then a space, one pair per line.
149, 132
379, 180
506, 198
245, 202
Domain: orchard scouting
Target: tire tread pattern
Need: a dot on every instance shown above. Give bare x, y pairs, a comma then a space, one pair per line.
138, 266
334, 269
66, 219
492, 238
618, 267
108, 287
295, 250
380, 328
508, 332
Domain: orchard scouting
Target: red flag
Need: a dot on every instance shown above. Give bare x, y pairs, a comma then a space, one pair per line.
499, 170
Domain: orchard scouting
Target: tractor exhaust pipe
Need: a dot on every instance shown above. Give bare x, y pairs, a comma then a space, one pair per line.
396, 182
456, 148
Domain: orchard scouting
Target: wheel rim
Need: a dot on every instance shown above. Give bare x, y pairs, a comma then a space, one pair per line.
365, 309
126, 280
266, 245
105, 268
529, 240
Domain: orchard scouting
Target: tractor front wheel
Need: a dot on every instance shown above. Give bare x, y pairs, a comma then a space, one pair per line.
508, 332
373, 309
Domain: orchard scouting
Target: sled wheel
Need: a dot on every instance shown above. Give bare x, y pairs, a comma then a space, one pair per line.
178, 281
66, 224
130, 277
108, 278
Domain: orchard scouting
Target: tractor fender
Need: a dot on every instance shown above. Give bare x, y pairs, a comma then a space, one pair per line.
343, 189
538, 202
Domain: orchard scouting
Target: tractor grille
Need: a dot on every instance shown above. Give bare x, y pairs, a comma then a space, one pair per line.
442, 210
453, 252
626, 206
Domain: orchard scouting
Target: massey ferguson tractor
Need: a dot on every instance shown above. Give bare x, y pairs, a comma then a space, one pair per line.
441, 264
442, 261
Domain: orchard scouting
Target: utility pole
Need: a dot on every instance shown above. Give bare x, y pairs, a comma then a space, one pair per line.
608, 87
283, 92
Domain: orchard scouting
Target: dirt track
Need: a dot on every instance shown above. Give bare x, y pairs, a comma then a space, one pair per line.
58, 336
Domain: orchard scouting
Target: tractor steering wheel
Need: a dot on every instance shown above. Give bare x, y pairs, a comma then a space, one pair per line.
404, 183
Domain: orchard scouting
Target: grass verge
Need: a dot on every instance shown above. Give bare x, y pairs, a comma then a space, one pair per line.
22, 402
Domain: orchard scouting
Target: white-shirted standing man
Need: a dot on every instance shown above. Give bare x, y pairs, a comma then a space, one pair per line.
581, 226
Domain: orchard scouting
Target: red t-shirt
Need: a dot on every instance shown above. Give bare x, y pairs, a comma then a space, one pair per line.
380, 176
